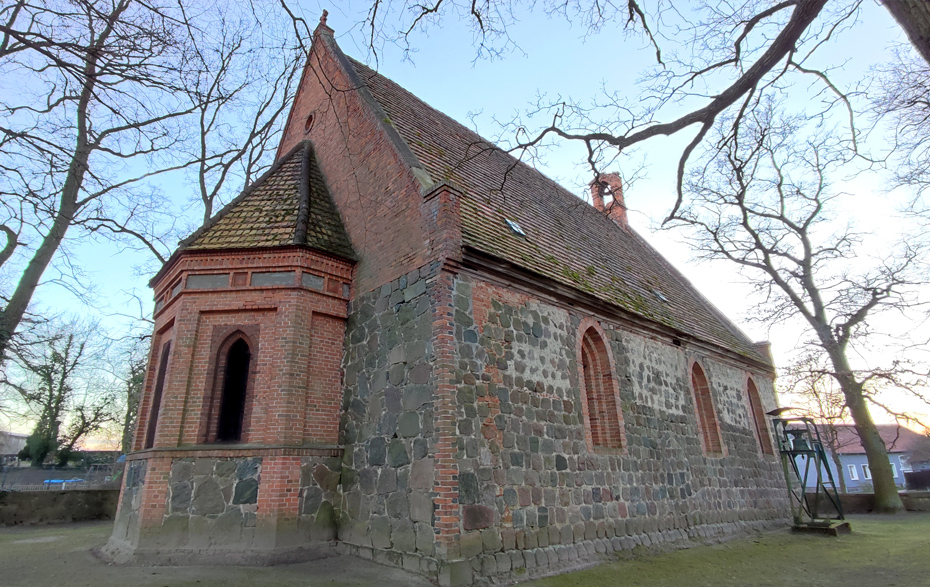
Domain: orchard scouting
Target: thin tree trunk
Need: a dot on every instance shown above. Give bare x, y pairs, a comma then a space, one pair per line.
13, 313
838, 465
887, 500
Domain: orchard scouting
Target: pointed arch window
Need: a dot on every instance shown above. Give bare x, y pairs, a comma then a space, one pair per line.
235, 385
757, 413
228, 403
600, 402
706, 415
155, 408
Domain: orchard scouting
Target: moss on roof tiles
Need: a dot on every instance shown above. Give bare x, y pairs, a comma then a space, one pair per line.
266, 214
566, 240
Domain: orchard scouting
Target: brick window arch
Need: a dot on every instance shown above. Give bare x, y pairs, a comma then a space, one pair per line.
228, 405
155, 408
706, 415
599, 393
758, 418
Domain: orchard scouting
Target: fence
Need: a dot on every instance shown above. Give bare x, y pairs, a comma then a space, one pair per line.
60, 479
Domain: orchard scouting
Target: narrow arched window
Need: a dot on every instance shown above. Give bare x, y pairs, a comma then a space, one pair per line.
156, 396
601, 407
758, 419
232, 400
706, 415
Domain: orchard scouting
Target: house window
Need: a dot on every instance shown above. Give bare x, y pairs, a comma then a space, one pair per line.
853, 473
866, 472
235, 385
758, 418
602, 410
706, 416
156, 396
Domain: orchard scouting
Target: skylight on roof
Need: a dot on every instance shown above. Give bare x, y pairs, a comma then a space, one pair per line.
660, 296
514, 227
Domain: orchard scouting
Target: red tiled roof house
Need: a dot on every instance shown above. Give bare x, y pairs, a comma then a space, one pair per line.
402, 339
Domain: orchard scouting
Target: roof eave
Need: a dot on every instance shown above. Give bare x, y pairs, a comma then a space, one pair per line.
515, 275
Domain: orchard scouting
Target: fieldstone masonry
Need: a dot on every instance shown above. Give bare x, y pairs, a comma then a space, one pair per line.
211, 512
533, 498
387, 424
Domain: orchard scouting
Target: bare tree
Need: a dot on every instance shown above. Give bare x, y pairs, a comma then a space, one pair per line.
242, 85
100, 96
765, 202
89, 100
902, 102
58, 389
732, 58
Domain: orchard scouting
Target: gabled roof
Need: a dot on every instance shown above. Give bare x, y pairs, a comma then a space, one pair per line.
566, 240
897, 438
289, 205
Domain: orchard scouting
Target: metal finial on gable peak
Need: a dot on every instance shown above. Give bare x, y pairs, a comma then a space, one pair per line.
323, 17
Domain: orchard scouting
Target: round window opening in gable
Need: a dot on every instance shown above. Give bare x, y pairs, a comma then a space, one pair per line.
308, 123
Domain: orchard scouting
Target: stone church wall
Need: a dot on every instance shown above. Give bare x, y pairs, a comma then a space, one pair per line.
387, 427
210, 511
534, 497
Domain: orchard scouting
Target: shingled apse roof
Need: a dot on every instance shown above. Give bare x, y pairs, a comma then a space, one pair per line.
566, 240
289, 205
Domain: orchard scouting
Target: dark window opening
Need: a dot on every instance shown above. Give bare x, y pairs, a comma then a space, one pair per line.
156, 397
235, 384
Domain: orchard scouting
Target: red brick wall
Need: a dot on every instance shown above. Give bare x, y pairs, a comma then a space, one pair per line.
299, 331
280, 490
374, 190
325, 379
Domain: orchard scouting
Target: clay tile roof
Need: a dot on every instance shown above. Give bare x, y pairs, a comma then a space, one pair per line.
897, 438
566, 239
288, 205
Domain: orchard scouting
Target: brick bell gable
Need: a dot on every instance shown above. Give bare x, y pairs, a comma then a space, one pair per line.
375, 179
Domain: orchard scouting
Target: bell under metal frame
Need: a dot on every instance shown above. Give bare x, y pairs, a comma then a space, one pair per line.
804, 463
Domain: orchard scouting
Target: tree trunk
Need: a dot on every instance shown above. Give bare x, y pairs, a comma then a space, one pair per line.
835, 456
13, 313
887, 500
838, 465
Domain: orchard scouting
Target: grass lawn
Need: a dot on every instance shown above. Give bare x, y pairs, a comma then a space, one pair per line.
881, 551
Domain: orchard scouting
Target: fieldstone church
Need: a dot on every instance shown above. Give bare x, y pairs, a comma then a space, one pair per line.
404, 344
